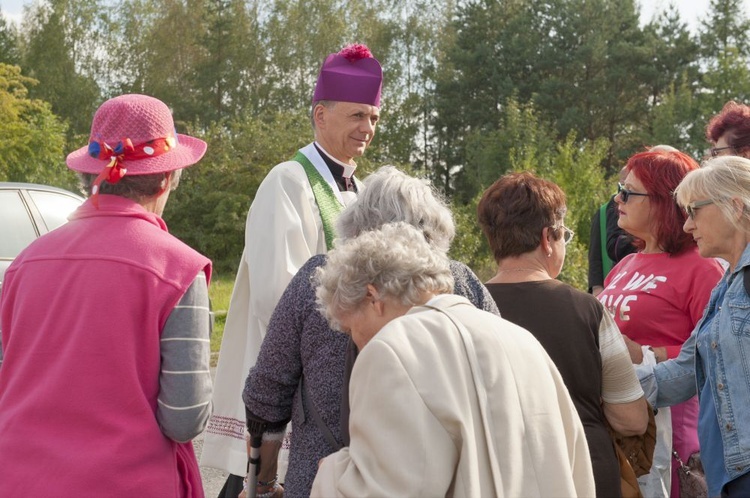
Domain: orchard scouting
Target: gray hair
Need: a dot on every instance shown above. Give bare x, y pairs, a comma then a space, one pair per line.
395, 259
724, 180
328, 104
134, 187
391, 196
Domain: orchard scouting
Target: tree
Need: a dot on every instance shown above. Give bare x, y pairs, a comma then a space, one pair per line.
573, 165
33, 137
674, 121
215, 194
160, 48
229, 75
673, 53
8, 42
59, 53
725, 48
726, 27
490, 54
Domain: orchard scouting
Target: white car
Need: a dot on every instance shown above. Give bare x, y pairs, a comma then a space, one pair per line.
27, 211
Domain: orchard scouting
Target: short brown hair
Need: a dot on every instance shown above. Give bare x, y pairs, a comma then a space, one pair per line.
514, 211
133, 187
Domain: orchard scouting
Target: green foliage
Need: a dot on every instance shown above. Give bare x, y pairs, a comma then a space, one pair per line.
8, 42
58, 53
209, 208
575, 169
31, 149
470, 246
220, 293
571, 164
472, 89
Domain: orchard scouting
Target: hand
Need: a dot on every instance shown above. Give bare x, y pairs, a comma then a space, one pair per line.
660, 354
278, 491
636, 353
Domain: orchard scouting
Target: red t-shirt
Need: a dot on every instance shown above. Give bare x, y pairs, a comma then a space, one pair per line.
657, 299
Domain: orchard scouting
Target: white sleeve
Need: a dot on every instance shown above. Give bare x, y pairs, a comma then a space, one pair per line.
283, 231
619, 381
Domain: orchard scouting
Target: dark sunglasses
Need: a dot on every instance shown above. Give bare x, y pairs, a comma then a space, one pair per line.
625, 193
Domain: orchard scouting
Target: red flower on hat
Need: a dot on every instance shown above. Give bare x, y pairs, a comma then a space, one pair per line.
354, 53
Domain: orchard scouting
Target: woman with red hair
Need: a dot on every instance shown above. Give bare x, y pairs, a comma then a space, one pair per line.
729, 131
658, 294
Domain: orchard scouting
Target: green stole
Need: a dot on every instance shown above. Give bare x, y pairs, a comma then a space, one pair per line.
607, 263
328, 204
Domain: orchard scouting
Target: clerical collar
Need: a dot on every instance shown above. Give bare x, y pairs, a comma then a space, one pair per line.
342, 173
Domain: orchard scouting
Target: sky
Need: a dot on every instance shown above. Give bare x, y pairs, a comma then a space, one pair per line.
690, 10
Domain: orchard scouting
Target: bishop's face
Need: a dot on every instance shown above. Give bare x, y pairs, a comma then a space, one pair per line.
345, 129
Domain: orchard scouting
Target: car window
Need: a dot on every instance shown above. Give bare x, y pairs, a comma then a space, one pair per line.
54, 207
16, 227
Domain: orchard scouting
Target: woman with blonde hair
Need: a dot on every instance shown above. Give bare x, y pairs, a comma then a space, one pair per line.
713, 362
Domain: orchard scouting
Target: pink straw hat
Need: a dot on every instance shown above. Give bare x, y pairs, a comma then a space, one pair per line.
135, 135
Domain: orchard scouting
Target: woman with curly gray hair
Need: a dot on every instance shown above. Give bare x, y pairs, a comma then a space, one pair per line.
447, 400
303, 367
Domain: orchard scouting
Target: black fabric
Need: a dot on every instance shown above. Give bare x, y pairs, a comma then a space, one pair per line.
232, 487
737, 488
344, 184
351, 356
566, 322
619, 244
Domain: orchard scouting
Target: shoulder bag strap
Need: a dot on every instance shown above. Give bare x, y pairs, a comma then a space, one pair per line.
328, 205
309, 407
481, 389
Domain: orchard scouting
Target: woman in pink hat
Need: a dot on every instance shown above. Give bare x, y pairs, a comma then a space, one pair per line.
104, 377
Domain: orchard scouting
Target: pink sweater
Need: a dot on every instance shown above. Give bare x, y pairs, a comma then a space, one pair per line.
82, 311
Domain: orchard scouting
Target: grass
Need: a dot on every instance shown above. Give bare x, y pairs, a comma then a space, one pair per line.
220, 293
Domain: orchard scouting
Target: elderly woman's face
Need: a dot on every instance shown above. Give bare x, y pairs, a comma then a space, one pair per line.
710, 228
722, 147
635, 213
371, 316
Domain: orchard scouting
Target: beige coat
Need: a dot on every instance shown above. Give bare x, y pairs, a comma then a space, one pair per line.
420, 427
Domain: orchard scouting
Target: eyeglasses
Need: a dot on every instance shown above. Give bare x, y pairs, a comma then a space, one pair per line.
691, 209
625, 193
567, 234
714, 151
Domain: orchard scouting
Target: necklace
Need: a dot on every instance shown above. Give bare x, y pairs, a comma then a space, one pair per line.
518, 269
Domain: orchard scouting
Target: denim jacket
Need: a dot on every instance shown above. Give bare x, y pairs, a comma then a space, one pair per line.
679, 379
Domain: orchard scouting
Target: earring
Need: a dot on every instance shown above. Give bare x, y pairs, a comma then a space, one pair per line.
549, 254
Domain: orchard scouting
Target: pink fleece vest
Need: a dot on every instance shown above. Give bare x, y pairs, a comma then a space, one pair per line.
82, 312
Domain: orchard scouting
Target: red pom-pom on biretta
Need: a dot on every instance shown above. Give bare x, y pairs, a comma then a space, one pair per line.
355, 52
